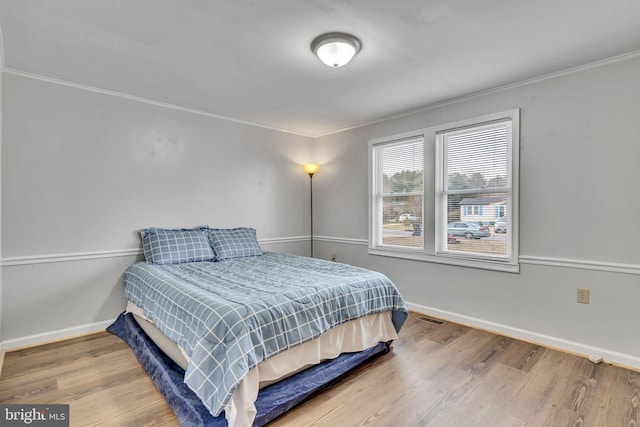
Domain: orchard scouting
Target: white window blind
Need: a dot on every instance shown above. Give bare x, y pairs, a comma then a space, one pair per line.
476, 158
399, 193
476, 190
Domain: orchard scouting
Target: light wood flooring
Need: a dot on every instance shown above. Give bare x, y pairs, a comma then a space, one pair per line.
448, 375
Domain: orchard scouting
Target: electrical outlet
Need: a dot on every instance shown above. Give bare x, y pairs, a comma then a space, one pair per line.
583, 296
333, 257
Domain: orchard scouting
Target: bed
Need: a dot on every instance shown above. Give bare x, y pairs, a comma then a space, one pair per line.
238, 319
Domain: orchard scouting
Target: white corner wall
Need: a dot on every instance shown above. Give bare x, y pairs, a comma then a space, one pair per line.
579, 151
83, 170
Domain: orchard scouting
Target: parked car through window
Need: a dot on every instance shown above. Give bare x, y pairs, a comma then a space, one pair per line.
467, 230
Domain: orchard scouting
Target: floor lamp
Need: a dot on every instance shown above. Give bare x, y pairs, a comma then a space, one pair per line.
311, 169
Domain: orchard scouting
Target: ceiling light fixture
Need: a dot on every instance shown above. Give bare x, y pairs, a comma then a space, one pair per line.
335, 49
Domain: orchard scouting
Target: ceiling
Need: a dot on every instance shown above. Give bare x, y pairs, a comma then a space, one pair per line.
250, 60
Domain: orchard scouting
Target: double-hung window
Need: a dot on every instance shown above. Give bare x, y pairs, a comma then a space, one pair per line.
449, 193
398, 200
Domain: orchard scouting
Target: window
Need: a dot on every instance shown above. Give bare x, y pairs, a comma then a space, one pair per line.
472, 210
437, 193
474, 171
399, 197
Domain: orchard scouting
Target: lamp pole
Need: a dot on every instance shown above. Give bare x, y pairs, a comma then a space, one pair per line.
311, 197
311, 169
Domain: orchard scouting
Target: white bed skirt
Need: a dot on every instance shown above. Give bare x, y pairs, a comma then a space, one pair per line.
356, 335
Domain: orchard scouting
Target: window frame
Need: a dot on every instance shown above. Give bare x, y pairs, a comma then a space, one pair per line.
376, 195
432, 221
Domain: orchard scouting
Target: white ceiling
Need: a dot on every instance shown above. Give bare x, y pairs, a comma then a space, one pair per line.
250, 60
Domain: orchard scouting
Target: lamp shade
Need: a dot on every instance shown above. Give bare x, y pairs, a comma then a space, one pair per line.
311, 168
335, 49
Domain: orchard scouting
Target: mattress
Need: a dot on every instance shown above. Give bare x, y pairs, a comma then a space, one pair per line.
355, 335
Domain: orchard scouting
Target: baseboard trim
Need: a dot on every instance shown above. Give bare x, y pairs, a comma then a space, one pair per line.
53, 336
567, 346
583, 350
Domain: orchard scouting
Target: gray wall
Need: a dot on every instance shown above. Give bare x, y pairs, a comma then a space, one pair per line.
579, 151
83, 171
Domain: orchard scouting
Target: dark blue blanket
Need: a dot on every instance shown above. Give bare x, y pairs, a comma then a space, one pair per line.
272, 401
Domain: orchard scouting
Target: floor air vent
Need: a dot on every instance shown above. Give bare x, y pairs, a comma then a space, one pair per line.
432, 320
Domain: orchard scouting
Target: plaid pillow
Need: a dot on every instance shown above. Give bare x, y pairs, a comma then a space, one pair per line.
162, 246
234, 242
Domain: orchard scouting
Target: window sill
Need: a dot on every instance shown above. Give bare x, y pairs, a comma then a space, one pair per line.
448, 260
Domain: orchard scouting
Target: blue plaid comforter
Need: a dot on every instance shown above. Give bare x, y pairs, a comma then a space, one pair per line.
229, 316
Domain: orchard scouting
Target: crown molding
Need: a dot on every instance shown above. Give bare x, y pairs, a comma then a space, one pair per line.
154, 102
526, 82
595, 64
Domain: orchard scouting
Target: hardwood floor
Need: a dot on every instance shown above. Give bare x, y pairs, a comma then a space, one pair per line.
448, 375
